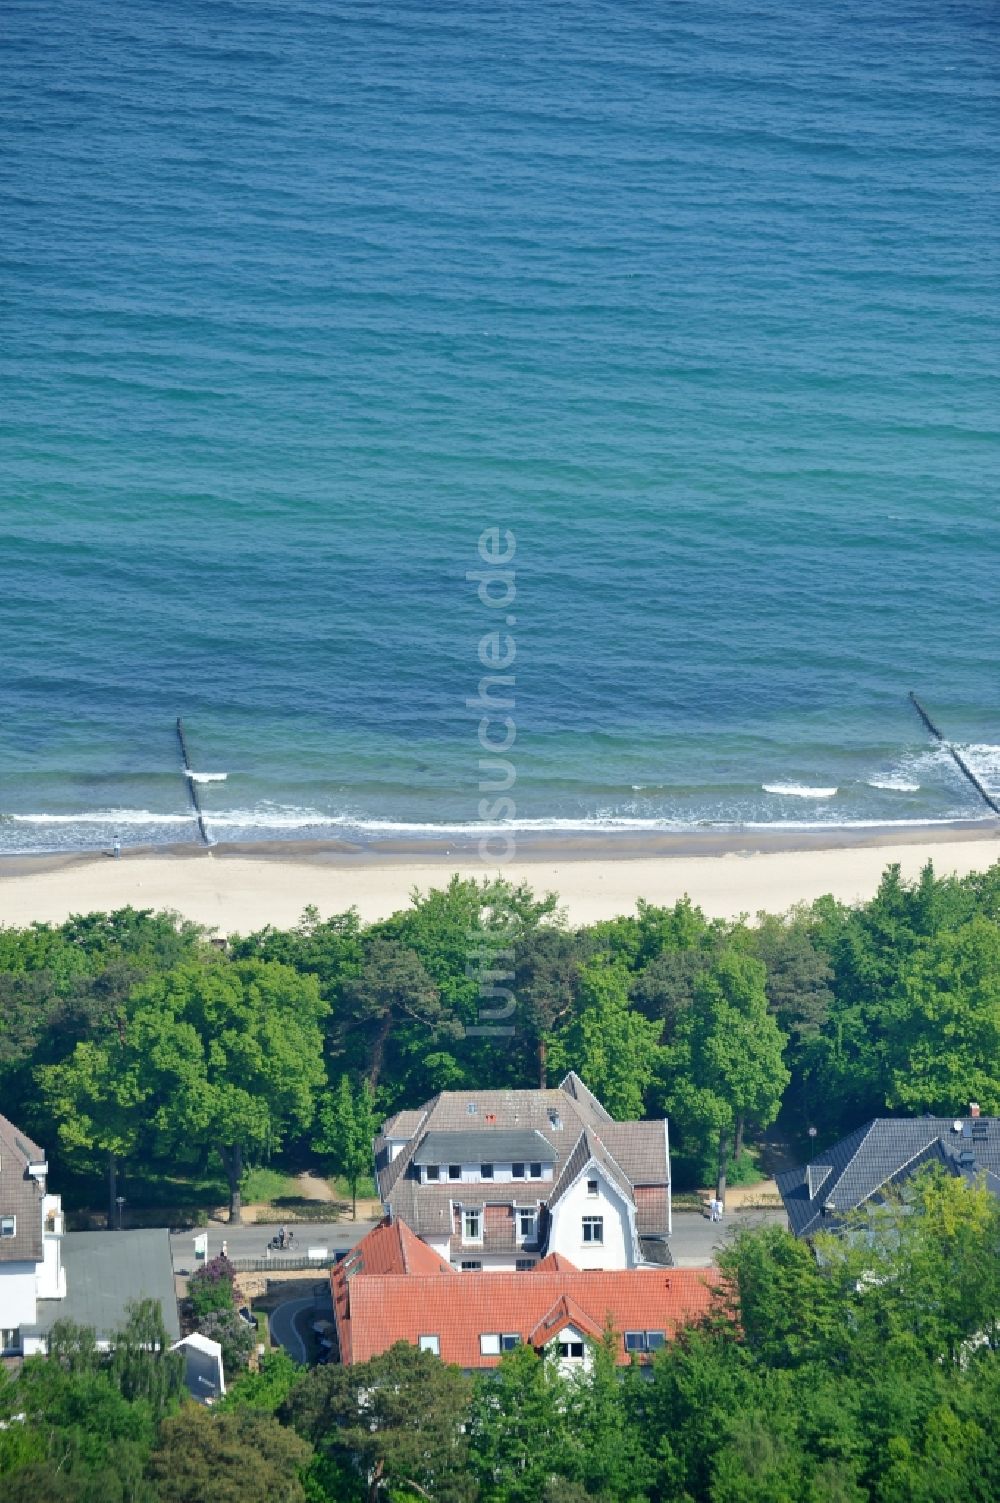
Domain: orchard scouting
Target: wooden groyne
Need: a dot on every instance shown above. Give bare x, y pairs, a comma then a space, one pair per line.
960, 762
192, 785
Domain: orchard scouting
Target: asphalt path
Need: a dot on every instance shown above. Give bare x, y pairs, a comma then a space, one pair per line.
696, 1240
252, 1241
694, 1243
284, 1322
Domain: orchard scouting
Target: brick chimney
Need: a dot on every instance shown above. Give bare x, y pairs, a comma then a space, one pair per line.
973, 1109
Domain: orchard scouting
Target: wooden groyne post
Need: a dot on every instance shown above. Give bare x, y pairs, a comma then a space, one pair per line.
960, 762
192, 786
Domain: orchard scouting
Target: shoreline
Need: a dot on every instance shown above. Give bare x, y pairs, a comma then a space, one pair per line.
241, 887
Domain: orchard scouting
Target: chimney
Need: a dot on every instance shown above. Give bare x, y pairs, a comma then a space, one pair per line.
973, 1109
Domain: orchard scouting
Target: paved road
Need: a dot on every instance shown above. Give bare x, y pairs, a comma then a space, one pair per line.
696, 1240
693, 1244
252, 1241
283, 1326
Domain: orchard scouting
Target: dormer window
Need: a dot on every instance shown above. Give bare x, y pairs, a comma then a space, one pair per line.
433, 1172
454, 1171
8, 1226
517, 1171
555, 1120
536, 1171
486, 1171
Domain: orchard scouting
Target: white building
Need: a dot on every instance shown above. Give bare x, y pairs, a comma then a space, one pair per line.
46, 1275
31, 1235
496, 1180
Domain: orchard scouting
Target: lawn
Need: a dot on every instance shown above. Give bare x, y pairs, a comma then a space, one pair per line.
266, 1185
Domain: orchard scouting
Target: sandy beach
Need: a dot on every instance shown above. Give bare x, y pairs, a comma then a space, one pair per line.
238, 889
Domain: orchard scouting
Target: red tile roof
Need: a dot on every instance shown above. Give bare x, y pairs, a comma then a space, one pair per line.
389, 1248
555, 1262
377, 1302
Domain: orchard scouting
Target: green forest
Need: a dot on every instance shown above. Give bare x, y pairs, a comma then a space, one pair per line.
133, 1041
868, 1372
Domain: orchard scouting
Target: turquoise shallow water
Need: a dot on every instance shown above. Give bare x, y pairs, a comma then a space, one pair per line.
700, 301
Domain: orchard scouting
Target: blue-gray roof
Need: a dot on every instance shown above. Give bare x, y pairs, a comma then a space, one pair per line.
488, 1145
884, 1152
107, 1271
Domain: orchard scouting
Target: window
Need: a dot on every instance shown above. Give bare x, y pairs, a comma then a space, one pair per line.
523, 1264
472, 1226
655, 1341
517, 1170
571, 1349
593, 1229
592, 1187
433, 1171
526, 1224
635, 1341
10, 1339
472, 1108
471, 1265
8, 1226
430, 1344
555, 1120
536, 1171
486, 1170
509, 1341
454, 1171
489, 1345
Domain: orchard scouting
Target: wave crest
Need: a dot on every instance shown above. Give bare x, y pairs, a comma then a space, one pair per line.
798, 790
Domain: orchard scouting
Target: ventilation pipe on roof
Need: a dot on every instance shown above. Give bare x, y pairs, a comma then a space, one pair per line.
973, 1108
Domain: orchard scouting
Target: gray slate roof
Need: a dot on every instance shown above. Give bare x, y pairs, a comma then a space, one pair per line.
105, 1271
494, 1147
20, 1194
886, 1151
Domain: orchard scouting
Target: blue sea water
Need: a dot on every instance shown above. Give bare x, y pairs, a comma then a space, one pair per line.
701, 301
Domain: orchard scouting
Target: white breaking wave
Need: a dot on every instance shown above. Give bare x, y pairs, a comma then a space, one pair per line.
208, 777
984, 759
798, 790
104, 817
300, 819
894, 785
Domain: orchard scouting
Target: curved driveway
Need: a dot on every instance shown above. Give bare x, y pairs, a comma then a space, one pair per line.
284, 1329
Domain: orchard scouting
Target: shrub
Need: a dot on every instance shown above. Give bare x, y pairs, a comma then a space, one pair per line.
237, 1339
211, 1288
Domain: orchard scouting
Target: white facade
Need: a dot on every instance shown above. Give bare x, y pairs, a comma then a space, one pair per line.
472, 1174
18, 1294
50, 1276
593, 1224
573, 1350
23, 1284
